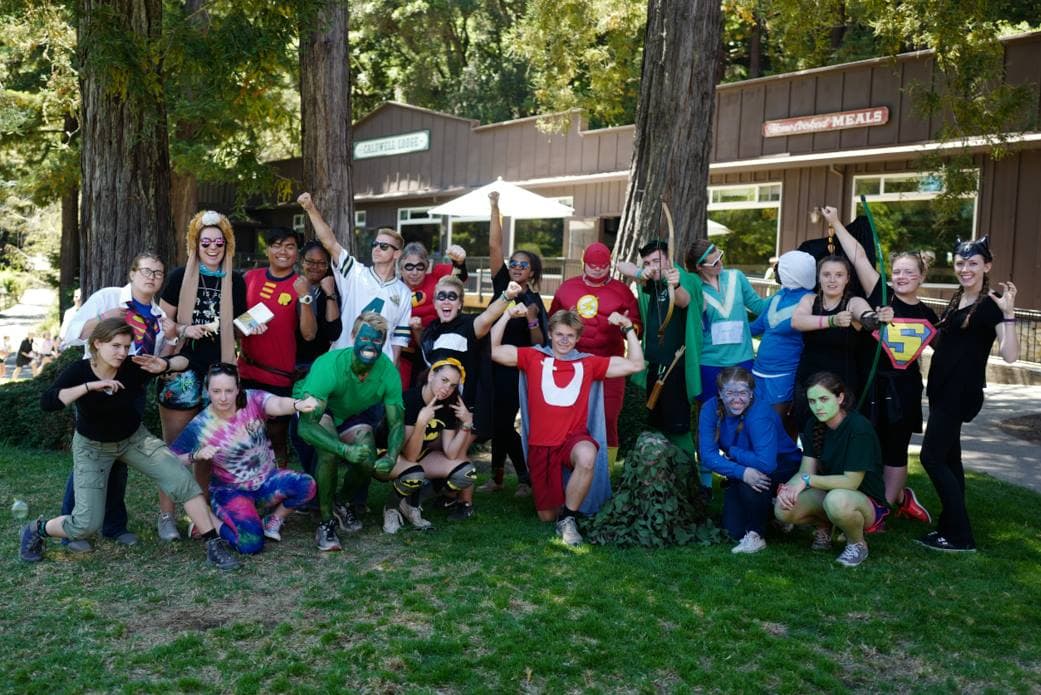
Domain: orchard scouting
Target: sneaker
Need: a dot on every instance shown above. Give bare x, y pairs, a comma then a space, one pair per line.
126, 538
752, 542
392, 521
273, 527
821, 538
80, 546
934, 541
913, 509
218, 553
414, 515
30, 546
346, 518
853, 555
166, 525
490, 486
461, 512
325, 536
567, 529
523, 490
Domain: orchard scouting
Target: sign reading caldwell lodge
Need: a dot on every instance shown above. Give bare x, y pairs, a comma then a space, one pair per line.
861, 118
393, 144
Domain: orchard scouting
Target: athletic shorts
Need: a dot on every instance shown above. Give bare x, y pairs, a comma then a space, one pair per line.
371, 416
775, 389
181, 391
881, 512
546, 468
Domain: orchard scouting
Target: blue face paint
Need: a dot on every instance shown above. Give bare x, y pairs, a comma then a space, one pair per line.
368, 344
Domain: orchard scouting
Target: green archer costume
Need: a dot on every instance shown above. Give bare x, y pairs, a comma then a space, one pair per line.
348, 382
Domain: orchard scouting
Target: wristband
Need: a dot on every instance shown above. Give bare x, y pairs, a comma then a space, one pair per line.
831, 321
468, 427
333, 297
639, 274
504, 297
820, 322
626, 329
295, 401
533, 324
1011, 320
167, 361
806, 479
86, 385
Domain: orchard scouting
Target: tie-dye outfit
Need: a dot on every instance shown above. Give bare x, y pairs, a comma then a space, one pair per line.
245, 475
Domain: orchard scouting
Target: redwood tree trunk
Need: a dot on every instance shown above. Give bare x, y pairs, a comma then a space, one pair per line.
184, 200
325, 106
124, 161
69, 259
673, 138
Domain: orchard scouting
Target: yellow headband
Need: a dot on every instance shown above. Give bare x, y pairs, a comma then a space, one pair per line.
450, 362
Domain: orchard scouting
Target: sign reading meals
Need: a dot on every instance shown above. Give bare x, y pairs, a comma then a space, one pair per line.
404, 143
861, 118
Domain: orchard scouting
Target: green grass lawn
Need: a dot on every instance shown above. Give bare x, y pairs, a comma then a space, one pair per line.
495, 604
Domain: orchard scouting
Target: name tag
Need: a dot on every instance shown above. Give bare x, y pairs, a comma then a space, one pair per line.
728, 332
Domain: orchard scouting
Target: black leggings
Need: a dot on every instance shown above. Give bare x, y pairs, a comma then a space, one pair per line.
941, 458
506, 440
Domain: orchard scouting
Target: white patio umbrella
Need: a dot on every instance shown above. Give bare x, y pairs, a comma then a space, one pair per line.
514, 202
717, 229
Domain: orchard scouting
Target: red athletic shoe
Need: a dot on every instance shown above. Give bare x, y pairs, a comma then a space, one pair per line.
913, 509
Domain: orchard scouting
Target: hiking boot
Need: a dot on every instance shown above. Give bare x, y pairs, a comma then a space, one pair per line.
273, 527
391, 520
461, 512
218, 553
821, 538
413, 515
166, 525
30, 546
913, 509
346, 518
567, 529
934, 541
853, 555
79, 546
325, 536
490, 486
523, 490
752, 542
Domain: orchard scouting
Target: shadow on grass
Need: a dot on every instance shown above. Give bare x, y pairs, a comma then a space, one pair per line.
497, 603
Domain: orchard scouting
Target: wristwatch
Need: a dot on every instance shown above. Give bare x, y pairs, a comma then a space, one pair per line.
332, 296
306, 299
806, 479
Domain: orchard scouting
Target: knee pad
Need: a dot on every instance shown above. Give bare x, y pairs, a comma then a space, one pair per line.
409, 480
462, 476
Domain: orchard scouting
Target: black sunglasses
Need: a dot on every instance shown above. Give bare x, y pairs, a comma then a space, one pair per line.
384, 245
447, 296
224, 368
413, 266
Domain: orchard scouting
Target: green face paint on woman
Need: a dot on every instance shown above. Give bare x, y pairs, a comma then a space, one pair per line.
824, 404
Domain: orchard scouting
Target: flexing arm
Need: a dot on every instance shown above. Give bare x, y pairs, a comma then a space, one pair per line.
395, 414
503, 354
322, 230
633, 360
484, 322
1008, 339
803, 318
866, 272
307, 322
285, 405
495, 259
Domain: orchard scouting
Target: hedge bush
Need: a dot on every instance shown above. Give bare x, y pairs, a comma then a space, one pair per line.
25, 424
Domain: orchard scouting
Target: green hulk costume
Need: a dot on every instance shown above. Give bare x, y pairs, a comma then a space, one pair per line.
347, 382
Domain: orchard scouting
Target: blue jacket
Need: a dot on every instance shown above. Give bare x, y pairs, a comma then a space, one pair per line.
762, 442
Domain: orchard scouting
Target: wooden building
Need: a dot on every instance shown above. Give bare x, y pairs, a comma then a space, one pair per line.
782, 145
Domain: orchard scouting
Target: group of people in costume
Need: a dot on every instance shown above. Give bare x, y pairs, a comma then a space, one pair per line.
375, 372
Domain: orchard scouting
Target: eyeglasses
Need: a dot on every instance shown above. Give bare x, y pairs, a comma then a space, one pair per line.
447, 296
523, 265
151, 274
317, 264
716, 262
413, 266
736, 394
384, 245
206, 243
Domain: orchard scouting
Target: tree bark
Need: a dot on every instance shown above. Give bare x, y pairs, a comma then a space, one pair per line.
69, 258
184, 200
325, 106
124, 161
673, 137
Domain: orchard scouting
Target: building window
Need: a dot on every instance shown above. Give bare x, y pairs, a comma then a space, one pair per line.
417, 225
299, 223
744, 221
359, 219
908, 219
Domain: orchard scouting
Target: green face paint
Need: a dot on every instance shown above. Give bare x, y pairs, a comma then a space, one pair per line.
823, 403
368, 344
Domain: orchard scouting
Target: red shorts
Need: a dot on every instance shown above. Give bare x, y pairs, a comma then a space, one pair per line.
546, 468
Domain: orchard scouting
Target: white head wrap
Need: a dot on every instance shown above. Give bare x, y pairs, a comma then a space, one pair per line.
797, 269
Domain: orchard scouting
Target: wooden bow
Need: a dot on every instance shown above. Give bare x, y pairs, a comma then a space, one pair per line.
671, 289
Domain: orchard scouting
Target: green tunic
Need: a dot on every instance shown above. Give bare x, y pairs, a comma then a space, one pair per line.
852, 446
690, 323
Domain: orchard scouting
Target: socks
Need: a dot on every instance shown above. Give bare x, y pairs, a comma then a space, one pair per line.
210, 535
41, 527
565, 513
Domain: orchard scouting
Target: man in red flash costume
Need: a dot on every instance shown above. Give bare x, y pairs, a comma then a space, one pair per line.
594, 296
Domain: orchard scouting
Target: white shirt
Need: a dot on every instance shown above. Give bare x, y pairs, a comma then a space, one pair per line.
103, 300
361, 290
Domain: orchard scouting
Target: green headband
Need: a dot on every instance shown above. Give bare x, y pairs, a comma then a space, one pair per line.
710, 249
